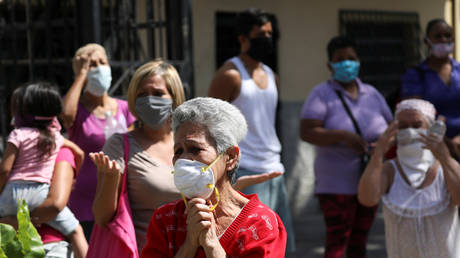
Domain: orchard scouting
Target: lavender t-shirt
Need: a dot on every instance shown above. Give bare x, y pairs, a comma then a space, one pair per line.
337, 166
87, 132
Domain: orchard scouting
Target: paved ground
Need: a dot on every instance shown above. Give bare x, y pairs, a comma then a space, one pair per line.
310, 234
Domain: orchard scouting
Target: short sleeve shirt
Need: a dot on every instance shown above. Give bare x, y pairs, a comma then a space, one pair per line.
337, 166
425, 83
30, 164
150, 183
87, 132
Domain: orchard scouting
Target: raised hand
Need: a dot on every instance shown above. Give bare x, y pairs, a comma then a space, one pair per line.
210, 242
387, 139
104, 164
81, 64
199, 219
436, 145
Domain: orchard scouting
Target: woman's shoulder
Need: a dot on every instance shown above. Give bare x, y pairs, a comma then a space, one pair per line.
322, 87
414, 73
123, 104
372, 90
114, 146
23, 133
321, 90
256, 211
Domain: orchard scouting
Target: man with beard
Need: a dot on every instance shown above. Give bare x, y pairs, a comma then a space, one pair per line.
251, 86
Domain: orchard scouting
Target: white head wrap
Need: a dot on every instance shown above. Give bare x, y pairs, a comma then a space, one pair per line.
423, 106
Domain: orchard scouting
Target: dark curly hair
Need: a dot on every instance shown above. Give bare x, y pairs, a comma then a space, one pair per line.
338, 43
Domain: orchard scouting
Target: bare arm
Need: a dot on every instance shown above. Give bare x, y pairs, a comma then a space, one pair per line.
245, 181
226, 83
71, 98
375, 181
107, 190
58, 195
78, 153
377, 176
450, 166
6, 165
312, 131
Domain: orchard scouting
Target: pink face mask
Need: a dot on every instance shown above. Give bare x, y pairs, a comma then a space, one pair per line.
441, 50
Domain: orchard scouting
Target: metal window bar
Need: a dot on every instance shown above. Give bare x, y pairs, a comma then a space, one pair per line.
388, 43
41, 37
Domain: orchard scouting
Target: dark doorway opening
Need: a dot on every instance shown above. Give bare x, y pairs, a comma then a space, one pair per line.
38, 40
227, 45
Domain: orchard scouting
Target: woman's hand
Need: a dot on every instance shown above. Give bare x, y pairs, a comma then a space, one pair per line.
199, 219
210, 242
436, 145
104, 164
82, 64
245, 181
79, 154
354, 141
387, 139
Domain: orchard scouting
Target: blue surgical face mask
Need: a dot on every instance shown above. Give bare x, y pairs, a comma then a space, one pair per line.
99, 79
345, 71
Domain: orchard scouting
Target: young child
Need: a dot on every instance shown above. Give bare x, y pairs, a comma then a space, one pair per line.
28, 161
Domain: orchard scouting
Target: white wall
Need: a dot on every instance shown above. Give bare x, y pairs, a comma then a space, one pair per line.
305, 26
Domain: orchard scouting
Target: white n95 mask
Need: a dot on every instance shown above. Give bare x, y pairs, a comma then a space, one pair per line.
195, 179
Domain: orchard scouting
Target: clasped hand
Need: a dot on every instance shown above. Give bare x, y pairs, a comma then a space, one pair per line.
201, 224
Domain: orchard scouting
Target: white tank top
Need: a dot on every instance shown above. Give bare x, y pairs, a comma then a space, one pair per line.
261, 148
406, 201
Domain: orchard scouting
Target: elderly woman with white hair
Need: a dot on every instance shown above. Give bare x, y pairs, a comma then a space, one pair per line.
212, 219
420, 188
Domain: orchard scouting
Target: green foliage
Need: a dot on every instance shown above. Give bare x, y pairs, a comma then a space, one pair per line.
10, 245
26, 242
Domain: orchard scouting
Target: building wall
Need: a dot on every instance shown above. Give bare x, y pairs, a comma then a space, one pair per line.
305, 28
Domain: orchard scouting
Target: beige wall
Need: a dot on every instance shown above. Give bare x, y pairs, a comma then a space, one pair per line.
305, 25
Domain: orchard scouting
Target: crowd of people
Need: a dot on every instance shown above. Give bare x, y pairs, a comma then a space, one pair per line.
166, 177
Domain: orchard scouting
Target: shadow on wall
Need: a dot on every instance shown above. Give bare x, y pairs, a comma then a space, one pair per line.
300, 182
298, 158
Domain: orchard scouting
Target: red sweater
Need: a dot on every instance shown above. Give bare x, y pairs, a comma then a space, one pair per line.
256, 232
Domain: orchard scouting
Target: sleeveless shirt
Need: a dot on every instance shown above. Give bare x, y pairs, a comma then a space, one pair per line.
261, 148
420, 222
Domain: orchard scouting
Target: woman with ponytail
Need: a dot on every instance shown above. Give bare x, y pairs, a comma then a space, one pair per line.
28, 161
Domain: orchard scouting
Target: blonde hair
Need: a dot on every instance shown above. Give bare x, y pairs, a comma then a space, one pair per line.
88, 48
160, 68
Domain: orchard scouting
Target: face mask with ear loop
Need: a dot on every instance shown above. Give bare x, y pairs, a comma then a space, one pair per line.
441, 50
195, 179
